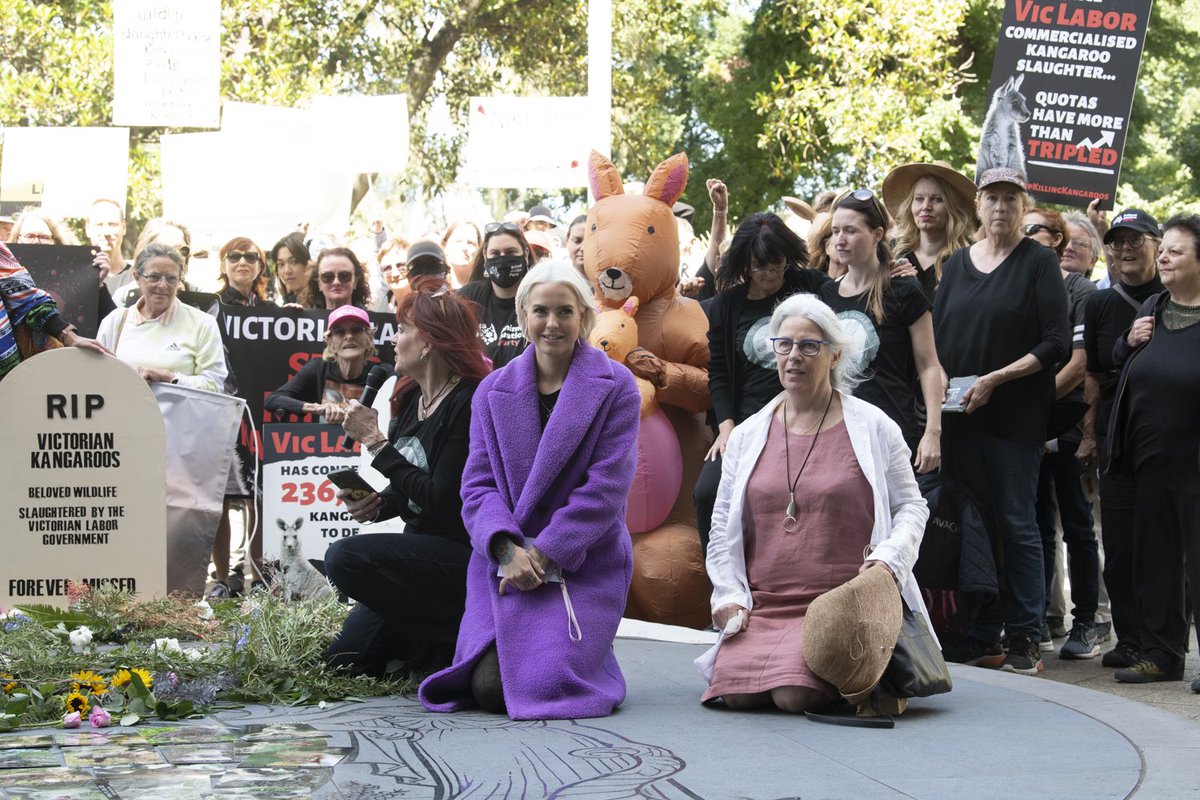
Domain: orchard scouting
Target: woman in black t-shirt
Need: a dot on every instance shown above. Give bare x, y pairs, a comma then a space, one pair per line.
890, 321
766, 263
935, 215
1155, 435
243, 273
411, 587
1000, 317
500, 263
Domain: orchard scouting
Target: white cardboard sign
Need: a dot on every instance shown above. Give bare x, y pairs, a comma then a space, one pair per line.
64, 169
167, 63
530, 142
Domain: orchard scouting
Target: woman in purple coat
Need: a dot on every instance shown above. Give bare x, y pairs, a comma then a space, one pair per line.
553, 449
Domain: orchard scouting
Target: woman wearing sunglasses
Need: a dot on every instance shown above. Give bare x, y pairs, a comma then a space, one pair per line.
324, 385
338, 279
813, 481
1000, 322
243, 273
500, 263
411, 587
890, 320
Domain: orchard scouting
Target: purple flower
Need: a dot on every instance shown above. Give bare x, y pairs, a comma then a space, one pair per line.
243, 639
72, 720
100, 718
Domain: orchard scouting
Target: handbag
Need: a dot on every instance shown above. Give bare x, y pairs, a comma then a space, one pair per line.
917, 668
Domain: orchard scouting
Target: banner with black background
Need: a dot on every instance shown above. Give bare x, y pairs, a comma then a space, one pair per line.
1080, 61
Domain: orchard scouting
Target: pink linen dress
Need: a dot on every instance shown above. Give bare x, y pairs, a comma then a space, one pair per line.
787, 571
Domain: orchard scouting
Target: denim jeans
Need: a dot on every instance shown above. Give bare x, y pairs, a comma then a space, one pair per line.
411, 589
1003, 476
1059, 490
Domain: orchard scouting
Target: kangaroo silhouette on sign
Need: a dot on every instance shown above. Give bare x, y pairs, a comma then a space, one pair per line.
1001, 144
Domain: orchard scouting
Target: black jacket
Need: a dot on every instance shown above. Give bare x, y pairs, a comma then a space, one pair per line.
1112, 460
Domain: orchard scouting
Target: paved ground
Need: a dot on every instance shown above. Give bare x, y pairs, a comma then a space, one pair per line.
1176, 697
995, 736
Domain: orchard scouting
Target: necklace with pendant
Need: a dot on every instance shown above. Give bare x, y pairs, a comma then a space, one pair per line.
789, 521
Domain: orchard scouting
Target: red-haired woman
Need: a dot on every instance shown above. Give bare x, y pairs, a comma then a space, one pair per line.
243, 273
411, 587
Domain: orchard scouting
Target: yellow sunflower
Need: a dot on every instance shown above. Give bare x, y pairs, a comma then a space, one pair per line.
90, 681
76, 702
123, 677
9, 682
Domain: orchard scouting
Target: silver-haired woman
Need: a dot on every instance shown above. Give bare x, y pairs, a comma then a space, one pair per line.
815, 488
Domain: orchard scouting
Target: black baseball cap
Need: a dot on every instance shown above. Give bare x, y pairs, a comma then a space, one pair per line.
1133, 219
426, 258
540, 213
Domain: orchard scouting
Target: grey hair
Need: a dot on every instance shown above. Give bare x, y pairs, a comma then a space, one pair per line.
562, 273
1081, 220
847, 373
158, 250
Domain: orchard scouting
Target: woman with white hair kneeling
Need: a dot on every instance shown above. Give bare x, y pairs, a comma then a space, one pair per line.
815, 488
553, 449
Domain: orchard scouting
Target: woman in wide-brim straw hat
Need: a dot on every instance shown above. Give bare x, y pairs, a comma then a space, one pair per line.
934, 208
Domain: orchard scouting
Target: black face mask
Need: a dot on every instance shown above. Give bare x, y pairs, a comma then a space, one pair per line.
505, 271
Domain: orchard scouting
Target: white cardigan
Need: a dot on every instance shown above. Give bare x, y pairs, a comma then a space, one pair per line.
900, 510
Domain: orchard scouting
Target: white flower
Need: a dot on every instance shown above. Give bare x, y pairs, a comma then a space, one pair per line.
322, 704
196, 653
168, 645
203, 608
81, 639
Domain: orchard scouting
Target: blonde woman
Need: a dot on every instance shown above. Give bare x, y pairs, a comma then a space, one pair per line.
933, 205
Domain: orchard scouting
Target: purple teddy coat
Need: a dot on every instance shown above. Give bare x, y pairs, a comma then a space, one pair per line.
564, 490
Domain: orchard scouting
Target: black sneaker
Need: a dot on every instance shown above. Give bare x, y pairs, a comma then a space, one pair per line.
219, 591
1024, 656
1124, 655
1047, 641
1057, 629
1103, 632
974, 653
1146, 671
1081, 643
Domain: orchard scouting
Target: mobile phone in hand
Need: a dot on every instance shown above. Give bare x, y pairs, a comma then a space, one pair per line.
350, 479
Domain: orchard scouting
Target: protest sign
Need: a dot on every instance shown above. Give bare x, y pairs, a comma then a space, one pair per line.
530, 142
63, 170
297, 497
267, 345
167, 63
1062, 88
65, 272
83, 495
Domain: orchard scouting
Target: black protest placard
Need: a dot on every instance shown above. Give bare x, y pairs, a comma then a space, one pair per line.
1062, 88
267, 345
65, 272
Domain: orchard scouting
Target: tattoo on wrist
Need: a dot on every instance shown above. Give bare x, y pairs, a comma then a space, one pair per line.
504, 549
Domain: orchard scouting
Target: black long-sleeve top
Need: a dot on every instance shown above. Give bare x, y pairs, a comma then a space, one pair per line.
726, 369
424, 461
309, 386
985, 321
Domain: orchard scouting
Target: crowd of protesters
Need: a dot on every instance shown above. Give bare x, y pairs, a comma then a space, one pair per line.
1069, 342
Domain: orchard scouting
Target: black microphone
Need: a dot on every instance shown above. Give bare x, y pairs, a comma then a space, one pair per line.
375, 378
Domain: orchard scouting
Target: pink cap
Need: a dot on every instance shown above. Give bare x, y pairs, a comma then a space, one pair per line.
347, 312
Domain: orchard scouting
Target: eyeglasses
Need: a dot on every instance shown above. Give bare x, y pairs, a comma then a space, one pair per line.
233, 256
862, 196
35, 238
348, 330
1032, 228
340, 277
768, 267
506, 227
158, 277
808, 347
1078, 244
1134, 241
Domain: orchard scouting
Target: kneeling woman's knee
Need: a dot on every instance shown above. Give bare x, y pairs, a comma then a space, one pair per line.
485, 683
798, 699
335, 559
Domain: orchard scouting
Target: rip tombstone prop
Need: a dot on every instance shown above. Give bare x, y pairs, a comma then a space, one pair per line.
83, 495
